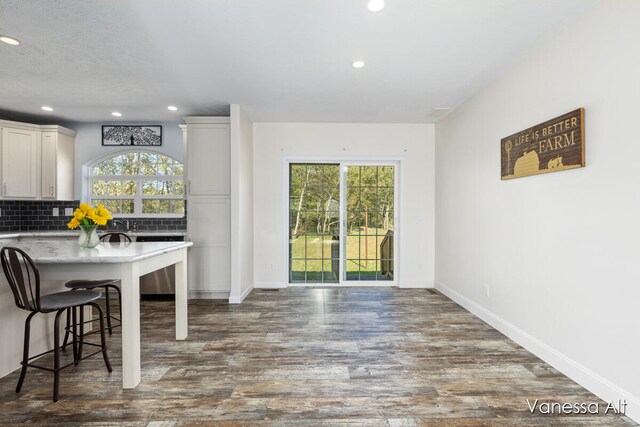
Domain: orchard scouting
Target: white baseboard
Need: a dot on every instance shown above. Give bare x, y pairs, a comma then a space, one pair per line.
237, 300
416, 285
279, 285
269, 285
209, 295
593, 382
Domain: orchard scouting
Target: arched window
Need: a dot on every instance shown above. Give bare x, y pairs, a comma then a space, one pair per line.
138, 184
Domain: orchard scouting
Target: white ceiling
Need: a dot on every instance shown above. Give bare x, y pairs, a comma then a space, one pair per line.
282, 60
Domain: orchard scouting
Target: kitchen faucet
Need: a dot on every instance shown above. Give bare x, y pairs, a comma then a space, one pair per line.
123, 222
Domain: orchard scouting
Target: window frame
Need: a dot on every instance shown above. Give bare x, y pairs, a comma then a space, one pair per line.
139, 180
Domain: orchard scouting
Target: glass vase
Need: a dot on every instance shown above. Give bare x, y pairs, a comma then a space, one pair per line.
88, 236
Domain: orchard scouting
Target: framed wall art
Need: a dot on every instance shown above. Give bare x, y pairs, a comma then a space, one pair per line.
117, 135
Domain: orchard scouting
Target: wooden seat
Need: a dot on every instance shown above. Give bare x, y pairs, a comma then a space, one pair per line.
24, 280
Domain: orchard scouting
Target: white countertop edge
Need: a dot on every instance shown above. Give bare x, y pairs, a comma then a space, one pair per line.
181, 245
72, 233
93, 256
10, 235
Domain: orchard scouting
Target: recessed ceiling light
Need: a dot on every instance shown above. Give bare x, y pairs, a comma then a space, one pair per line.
376, 5
172, 108
358, 64
9, 40
46, 108
117, 114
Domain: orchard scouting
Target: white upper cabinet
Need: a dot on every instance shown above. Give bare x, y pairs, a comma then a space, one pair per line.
20, 163
57, 163
208, 156
36, 162
49, 145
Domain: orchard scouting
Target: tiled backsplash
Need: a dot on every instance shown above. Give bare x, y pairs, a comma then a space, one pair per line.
18, 215
23, 215
153, 224
9, 215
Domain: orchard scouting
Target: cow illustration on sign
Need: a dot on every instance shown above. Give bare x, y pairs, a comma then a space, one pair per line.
555, 163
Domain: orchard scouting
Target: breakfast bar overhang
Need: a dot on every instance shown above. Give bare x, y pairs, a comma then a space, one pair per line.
66, 260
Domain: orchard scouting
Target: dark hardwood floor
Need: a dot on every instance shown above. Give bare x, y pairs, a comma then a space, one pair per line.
309, 356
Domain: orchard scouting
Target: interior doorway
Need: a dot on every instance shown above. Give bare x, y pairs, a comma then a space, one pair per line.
342, 223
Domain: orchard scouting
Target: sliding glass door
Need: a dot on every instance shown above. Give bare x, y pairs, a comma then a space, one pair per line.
368, 232
314, 223
341, 223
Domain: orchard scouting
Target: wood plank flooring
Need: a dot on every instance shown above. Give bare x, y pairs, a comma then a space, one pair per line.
309, 356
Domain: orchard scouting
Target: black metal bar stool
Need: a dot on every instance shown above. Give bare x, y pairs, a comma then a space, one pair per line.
106, 284
24, 280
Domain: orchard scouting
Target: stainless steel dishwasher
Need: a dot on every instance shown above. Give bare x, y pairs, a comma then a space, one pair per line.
160, 283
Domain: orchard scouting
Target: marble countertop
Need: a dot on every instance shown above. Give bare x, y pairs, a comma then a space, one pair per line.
68, 251
72, 233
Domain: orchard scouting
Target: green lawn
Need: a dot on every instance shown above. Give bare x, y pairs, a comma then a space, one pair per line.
363, 256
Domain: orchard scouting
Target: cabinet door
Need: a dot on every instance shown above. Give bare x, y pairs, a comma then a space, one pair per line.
49, 165
208, 221
209, 271
20, 163
208, 225
208, 159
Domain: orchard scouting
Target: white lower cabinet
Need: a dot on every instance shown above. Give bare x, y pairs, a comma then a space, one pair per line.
209, 258
209, 272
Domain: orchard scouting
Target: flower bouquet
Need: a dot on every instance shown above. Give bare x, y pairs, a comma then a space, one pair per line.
88, 219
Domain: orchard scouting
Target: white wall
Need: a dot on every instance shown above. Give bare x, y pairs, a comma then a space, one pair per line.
414, 143
89, 145
241, 205
559, 251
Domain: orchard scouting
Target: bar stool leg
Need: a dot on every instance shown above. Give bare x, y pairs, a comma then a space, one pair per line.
103, 340
25, 351
56, 356
81, 334
66, 332
74, 335
109, 315
106, 295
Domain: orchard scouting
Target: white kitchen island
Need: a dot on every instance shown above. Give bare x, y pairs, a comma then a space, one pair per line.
65, 260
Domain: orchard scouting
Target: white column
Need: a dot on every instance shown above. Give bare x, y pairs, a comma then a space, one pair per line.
130, 288
181, 297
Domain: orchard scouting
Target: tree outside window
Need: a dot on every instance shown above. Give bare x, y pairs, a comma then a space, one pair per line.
138, 183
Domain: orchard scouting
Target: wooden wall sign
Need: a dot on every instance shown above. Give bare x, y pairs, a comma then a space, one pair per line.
555, 145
